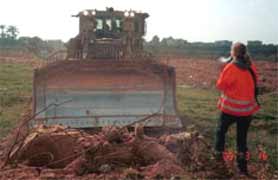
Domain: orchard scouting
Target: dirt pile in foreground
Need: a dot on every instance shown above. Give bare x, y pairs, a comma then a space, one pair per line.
57, 152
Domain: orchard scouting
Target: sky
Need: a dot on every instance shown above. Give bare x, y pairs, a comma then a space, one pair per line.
193, 20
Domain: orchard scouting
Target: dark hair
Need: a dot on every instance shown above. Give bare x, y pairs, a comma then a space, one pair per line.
241, 53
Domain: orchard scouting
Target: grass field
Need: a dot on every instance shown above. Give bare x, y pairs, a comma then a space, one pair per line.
15, 92
195, 104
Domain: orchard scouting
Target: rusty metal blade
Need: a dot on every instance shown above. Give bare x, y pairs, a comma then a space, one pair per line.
102, 93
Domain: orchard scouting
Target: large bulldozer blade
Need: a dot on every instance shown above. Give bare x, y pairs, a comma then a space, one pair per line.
86, 94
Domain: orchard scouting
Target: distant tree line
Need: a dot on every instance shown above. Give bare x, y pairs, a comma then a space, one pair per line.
9, 41
181, 47
8, 35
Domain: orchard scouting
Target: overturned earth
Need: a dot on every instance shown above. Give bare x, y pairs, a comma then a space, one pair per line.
58, 152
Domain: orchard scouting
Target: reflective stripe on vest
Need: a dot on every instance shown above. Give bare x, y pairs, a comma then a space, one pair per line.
241, 102
237, 106
247, 109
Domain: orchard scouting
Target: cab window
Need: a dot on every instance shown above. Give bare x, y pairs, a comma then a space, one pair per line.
99, 24
108, 25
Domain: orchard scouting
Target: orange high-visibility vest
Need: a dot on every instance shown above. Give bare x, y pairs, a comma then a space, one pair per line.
237, 87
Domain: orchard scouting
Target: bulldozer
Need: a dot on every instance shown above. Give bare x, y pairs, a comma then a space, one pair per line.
107, 78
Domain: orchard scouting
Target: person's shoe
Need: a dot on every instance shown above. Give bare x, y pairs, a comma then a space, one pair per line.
242, 164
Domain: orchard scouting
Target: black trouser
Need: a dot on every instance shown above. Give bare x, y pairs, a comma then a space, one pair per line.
242, 123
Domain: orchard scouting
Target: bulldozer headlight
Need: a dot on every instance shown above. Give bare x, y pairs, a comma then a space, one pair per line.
93, 12
126, 14
132, 14
85, 13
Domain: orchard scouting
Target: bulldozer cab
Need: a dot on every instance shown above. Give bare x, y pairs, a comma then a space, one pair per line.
108, 34
106, 79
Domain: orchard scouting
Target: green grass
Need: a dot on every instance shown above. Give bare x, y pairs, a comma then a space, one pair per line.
198, 104
15, 91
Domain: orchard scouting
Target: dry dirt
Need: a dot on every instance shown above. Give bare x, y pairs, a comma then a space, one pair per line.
58, 152
25, 59
204, 72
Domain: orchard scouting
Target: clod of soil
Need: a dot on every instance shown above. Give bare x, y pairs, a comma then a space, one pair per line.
53, 152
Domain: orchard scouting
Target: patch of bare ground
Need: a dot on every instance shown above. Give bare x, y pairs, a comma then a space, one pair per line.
204, 72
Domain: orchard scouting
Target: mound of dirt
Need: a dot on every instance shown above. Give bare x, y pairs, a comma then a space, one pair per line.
57, 152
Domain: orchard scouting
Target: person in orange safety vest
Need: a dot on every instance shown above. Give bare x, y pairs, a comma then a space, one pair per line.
238, 85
